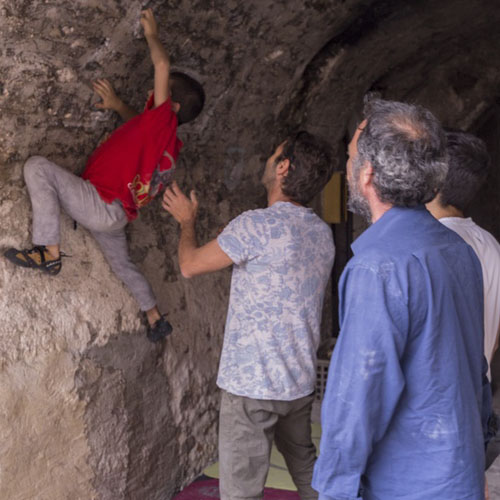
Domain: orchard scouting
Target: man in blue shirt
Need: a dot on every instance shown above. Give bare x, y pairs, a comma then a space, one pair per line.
282, 257
402, 413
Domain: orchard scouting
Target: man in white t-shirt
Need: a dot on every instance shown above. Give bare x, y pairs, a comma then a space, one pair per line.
468, 168
469, 163
282, 257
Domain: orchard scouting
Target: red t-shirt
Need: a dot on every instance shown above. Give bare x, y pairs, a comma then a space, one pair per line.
137, 159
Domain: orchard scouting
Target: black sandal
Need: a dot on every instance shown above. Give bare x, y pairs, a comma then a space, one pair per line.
160, 330
25, 258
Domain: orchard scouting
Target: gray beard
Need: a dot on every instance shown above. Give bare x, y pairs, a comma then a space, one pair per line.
357, 203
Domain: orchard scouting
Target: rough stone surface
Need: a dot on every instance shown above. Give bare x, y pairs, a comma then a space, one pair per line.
90, 410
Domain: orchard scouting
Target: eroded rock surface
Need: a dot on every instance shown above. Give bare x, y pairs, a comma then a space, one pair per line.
90, 409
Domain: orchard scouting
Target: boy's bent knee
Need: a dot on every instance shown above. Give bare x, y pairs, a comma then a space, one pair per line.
33, 164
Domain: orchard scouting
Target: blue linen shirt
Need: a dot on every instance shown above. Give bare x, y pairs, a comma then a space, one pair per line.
282, 258
401, 416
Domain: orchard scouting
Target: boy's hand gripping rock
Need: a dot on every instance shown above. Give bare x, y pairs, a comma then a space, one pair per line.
148, 23
106, 92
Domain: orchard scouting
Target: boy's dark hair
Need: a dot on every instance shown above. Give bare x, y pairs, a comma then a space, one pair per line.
189, 94
311, 166
468, 166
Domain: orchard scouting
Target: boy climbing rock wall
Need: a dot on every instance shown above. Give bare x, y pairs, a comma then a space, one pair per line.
122, 175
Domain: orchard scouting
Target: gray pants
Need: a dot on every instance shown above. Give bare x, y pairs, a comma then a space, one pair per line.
247, 428
51, 187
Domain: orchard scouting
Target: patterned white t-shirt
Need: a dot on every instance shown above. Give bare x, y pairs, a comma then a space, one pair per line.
283, 256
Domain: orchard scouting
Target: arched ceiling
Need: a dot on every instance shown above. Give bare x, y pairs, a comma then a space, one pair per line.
266, 66
444, 55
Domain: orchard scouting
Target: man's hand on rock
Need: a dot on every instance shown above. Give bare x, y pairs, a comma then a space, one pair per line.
182, 208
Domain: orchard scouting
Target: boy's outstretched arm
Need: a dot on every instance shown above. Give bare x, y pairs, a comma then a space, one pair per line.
111, 101
159, 56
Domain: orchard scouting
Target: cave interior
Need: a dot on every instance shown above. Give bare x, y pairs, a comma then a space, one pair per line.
75, 370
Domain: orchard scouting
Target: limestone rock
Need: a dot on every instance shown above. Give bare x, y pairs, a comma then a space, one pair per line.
90, 409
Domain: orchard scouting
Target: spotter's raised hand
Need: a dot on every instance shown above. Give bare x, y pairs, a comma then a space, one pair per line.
182, 208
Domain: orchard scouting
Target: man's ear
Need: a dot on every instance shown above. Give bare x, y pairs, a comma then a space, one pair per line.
435, 206
282, 168
366, 175
176, 107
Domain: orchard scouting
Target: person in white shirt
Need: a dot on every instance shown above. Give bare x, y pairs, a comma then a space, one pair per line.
469, 163
468, 166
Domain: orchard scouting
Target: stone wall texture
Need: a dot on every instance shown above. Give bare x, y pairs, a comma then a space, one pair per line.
90, 409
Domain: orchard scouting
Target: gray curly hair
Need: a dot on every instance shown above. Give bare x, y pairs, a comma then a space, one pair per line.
406, 147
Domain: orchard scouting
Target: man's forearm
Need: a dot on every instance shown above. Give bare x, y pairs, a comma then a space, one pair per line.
159, 55
193, 260
496, 344
486, 408
187, 247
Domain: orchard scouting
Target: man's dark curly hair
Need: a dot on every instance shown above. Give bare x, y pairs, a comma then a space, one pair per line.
468, 167
311, 166
189, 94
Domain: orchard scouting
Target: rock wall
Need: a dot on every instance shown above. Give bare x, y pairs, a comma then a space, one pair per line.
93, 410
90, 409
